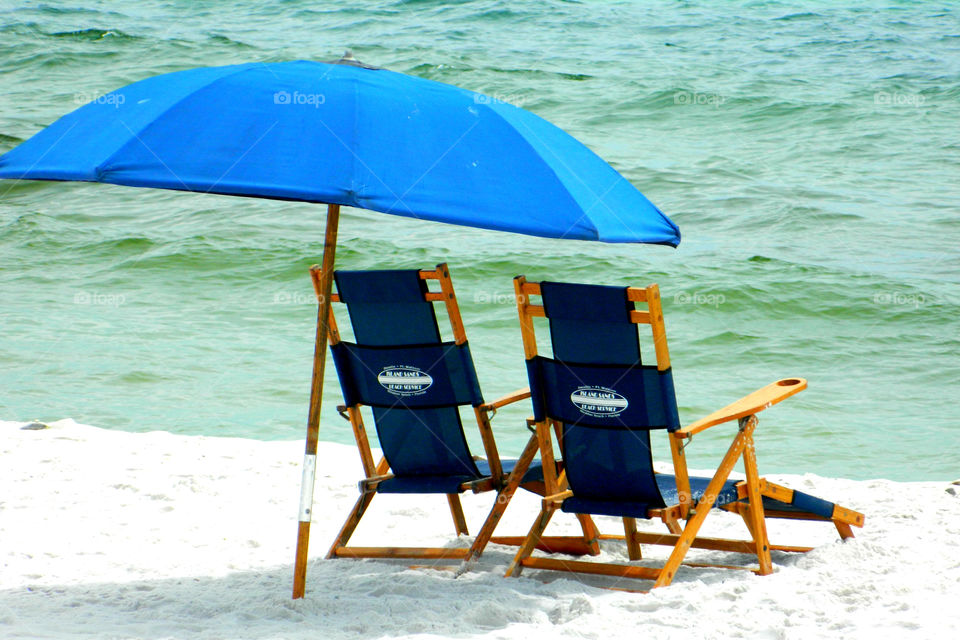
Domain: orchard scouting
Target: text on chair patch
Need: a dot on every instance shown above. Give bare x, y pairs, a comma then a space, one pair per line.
599, 402
402, 380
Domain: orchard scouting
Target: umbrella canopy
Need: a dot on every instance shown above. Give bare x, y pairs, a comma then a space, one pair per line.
349, 135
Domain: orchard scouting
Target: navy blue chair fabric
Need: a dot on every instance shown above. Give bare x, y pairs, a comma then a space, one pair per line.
414, 398
802, 503
412, 381
607, 401
411, 377
451, 484
387, 307
631, 397
668, 490
590, 324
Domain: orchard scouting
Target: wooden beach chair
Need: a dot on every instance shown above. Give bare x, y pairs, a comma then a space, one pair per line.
415, 384
602, 404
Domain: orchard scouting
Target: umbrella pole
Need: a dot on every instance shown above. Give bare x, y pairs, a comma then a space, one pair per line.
316, 396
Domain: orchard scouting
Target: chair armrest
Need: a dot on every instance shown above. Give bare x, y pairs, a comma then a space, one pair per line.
748, 405
558, 497
368, 485
510, 398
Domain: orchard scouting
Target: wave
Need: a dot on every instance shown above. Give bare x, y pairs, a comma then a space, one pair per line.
93, 34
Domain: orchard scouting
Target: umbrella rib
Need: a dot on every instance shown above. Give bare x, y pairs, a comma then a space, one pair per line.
371, 171
136, 134
553, 172
152, 152
37, 161
587, 211
599, 199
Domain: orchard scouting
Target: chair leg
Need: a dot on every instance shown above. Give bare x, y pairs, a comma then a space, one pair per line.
351, 523
682, 545
503, 499
706, 503
843, 529
591, 535
758, 524
516, 566
456, 510
629, 533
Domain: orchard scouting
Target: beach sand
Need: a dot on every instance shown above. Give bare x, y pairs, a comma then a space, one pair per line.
110, 534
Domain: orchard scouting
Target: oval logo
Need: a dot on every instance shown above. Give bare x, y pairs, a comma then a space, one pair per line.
599, 402
402, 380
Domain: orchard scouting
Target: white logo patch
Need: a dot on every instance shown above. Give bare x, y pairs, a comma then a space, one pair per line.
599, 402
402, 380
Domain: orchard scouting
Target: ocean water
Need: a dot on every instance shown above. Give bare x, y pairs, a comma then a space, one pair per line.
811, 157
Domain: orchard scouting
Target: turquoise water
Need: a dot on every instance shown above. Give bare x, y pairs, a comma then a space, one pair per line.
810, 156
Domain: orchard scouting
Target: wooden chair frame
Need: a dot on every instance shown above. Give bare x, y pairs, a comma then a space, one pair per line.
681, 538
504, 484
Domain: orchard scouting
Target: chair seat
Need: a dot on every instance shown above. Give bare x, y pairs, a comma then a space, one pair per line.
451, 484
698, 486
803, 503
534, 472
640, 509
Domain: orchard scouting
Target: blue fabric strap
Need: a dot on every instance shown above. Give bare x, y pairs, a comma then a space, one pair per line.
590, 323
420, 376
605, 396
383, 286
388, 307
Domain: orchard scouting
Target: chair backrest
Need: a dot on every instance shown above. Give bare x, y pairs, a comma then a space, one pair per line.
597, 388
413, 381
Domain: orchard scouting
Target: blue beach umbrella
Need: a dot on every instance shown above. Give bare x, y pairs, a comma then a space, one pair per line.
347, 135
344, 134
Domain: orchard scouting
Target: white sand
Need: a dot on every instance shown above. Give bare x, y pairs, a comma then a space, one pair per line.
109, 534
